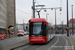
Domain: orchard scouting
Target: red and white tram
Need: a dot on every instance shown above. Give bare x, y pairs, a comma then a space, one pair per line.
39, 31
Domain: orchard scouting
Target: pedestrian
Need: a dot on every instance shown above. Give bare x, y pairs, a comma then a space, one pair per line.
70, 33
9, 33
2, 36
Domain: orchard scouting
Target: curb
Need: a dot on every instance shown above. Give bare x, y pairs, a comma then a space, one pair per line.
70, 42
18, 46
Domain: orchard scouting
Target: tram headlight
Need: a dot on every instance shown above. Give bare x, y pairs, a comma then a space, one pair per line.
32, 35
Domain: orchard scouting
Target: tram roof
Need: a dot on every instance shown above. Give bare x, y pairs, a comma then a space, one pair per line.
37, 19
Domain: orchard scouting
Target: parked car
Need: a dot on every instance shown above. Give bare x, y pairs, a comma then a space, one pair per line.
26, 33
20, 32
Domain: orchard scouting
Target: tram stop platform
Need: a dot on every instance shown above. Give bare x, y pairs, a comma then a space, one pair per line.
7, 44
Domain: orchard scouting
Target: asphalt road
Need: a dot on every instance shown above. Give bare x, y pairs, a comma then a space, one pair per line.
58, 43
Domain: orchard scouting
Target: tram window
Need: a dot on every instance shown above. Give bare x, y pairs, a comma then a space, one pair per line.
36, 28
46, 30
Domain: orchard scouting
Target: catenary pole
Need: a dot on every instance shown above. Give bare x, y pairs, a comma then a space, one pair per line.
33, 9
67, 21
72, 19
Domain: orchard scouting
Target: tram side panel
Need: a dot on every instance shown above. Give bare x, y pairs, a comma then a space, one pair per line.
50, 33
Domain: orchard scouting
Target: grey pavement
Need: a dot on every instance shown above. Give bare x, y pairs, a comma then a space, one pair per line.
72, 38
58, 43
13, 42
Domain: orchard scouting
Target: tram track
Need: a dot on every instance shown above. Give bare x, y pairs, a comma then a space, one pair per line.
19, 46
28, 45
55, 42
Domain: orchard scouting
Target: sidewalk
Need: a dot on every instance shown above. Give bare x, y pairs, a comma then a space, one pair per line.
11, 36
10, 43
72, 40
73, 36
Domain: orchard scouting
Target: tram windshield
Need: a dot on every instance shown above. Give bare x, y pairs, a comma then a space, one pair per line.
36, 28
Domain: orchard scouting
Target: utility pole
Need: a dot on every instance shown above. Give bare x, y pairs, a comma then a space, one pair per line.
46, 16
62, 27
33, 7
23, 24
55, 21
67, 21
72, 19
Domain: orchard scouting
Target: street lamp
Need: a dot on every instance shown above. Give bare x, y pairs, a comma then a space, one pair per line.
67, 20
46, 16
55, 18
72, 19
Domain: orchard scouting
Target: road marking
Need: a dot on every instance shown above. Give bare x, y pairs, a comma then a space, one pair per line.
70, 42
20, 47
24, 47
17, 37
66, 43
72, 38
21, 37
26, 35
54, 43
38, 48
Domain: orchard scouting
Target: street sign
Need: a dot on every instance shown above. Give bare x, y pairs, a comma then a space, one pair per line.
9, 29
51, 8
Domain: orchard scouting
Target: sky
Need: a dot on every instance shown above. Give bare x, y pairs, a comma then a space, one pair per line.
24, 10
